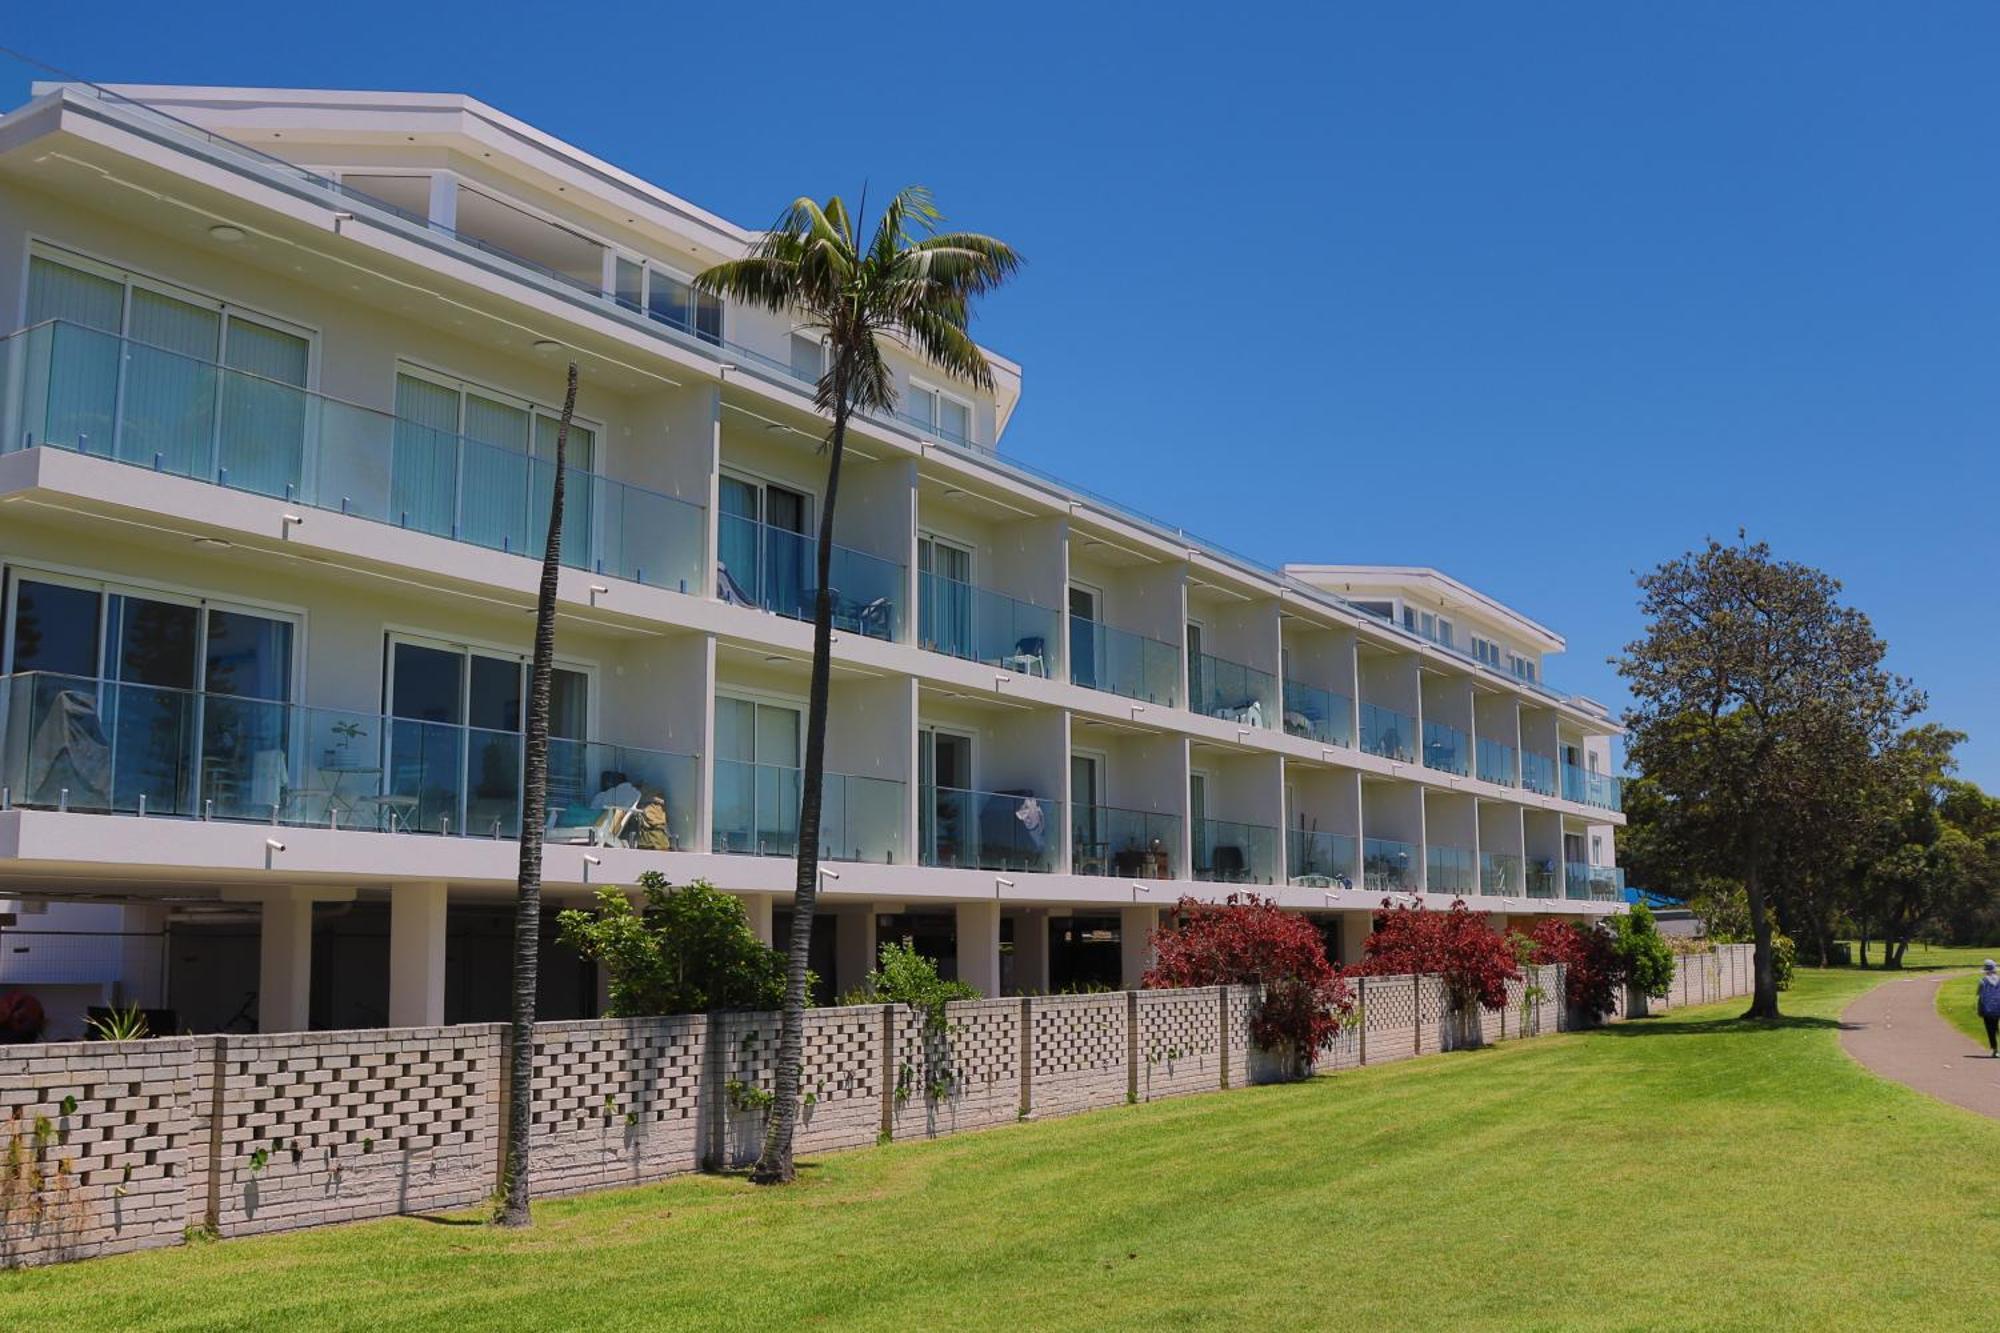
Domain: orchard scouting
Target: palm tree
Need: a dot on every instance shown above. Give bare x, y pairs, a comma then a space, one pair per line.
534, 808
913, 285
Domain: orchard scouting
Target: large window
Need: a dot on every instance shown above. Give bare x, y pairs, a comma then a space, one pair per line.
198, 387
669, 297
758, 745
119, 696
764, 551
948, 417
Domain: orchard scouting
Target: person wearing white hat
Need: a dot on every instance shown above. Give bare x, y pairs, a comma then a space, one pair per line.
1989, 1004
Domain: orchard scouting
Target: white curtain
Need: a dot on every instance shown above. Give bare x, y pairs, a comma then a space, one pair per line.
262, 444
77, 359
424, 487
170, 383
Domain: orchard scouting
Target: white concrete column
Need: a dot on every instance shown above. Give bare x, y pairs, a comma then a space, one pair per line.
757, 907
416, 955
284, 950
444, 199
142, 955
1355, 927
854, 954
1031, 952
1135, 943
979, 945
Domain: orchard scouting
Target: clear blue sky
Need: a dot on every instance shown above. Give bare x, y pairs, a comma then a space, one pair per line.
1538, 294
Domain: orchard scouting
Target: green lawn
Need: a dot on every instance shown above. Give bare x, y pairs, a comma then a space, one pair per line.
1677, 1173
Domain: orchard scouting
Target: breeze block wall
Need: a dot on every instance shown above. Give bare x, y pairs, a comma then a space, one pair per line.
124, 1146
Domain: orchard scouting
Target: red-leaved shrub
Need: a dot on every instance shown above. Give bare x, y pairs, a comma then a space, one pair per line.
1474, 959
1588, 952
1251, 941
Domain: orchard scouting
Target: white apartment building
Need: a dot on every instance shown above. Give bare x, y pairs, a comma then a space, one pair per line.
281, 386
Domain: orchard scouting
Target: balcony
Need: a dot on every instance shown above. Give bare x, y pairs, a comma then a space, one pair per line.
1120, 662
979, 625
1450, 870
81, 744
1500, 875
1538, 773
984, 830
1585, 882
775, 569
1318, 715
1320, 860
1445, 748
757, 814
1231, 691
1226, 852
1591, 788
1127, 844
1388, 866
1388, 733
1496, 763
73, 388
1541, 877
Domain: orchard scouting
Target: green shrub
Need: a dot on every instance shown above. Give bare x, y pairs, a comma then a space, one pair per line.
1645, 956
907, 977
689, 950
1784, 959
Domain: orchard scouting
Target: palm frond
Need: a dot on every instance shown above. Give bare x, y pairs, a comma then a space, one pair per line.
944, 342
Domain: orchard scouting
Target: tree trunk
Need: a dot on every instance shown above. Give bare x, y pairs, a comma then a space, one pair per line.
774, 1163
1764, 998
1864, 944
534, 808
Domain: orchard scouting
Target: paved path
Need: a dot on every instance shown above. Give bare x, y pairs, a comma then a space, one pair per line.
1895, 1030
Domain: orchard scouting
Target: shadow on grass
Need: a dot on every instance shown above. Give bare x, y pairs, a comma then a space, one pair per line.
439, 1220
1669, 1027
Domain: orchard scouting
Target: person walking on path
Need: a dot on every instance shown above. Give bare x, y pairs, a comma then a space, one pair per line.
1989, 1004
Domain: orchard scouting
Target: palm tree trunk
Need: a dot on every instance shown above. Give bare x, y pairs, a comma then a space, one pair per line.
534, 807
774, 1163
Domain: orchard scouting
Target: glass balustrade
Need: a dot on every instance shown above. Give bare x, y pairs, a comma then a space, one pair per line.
1586, 787
1444, 748
1388, 733
1388, 866
1325, 860
1127, 844
757, 814
1450, 870
983, 830
1542, 877
1120, 662
1227, 852
1538, 773
1318, 715
1231, 691
775, 569
1500, 875
1586, 882
1496, 763
89, 392
980, 625
81, 744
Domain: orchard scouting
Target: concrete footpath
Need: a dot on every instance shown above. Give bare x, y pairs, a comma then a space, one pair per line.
1896, 1031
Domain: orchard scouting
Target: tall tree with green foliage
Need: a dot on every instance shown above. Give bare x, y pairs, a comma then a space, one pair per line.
534, 814
1757, 701
1918, 862
912, 285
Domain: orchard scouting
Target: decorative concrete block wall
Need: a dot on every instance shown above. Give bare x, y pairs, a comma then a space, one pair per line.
95, 1139
1180, 1042
843, 1082
619, 1101
1077, 1054
965, 1075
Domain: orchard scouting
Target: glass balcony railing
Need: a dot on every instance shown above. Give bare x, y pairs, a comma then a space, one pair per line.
1445, 748
1120, 662
1128, 844
1450, 870
1388, 866
757, 814
984, 830
1542, 878
979, 625
1230, 853
1587, 882
1231, 691
1538, 773
1589, 788
1496, 763
1324, 859
74, 388
772, 568
1318, 715
1388, 733
1500, 875
81, 744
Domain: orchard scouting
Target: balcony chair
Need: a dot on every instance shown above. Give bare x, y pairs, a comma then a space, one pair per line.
1030, 656
1249, 713
1227, 864
727, 589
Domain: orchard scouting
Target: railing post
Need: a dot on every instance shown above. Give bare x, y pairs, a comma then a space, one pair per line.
1363, 1002
1222, 1027
1131, 1046
1026, 1043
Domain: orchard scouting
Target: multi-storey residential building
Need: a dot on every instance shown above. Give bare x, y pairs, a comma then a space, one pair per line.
278, 424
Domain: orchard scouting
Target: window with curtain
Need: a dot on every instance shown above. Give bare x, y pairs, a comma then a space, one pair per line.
672, 300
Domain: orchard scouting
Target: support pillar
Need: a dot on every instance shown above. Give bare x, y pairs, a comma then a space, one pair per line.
757, 907
979, 946
284, 950
854, 955
142, 956
1031, 952
416, 955
1135, 943
1355, 927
